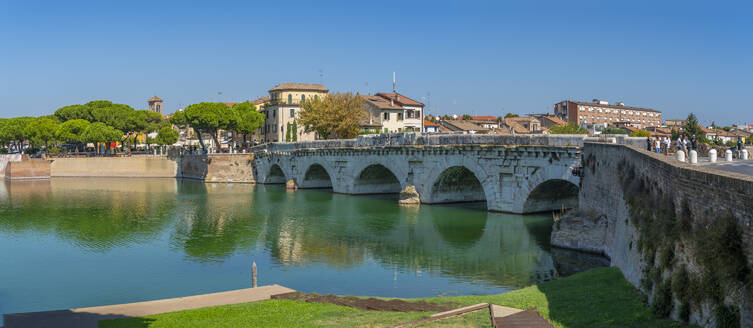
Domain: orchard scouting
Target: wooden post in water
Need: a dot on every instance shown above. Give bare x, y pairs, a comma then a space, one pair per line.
253, 275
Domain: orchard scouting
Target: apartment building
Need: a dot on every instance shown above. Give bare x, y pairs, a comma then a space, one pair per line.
280, 111
599, 113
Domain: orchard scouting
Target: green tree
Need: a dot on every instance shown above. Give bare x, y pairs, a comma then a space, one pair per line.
509, 115
209, 118
16, 130
335, 116
41, 131
166, 136
640, 133
287, 133
247, 119
101, 132
72, 131
570, 128
4, 135
692, 129
179, 119
73, 112
467, 117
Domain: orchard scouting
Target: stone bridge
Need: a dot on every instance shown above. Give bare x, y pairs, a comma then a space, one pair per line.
517, 174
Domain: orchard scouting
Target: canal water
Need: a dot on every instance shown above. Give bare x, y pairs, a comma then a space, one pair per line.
69, 242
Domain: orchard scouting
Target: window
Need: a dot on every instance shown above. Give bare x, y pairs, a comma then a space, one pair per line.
399, 116
582, 109
386, 130
599, 110
316, 97
290, 98
386, 116
159, 107
303, 98
292, 112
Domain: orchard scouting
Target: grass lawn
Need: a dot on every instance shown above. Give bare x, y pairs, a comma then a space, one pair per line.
596, 298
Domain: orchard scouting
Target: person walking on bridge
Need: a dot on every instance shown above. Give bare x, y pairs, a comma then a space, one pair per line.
657, 145
667, 144
648, 143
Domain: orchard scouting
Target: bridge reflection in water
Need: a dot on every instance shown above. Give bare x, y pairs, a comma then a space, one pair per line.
195, 237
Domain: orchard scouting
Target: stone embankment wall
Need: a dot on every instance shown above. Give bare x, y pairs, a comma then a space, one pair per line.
123, 167
683, 234
418, 139
28, 169
218, 168
4, 159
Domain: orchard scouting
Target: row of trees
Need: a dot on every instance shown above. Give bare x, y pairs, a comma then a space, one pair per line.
211, 118
93, 122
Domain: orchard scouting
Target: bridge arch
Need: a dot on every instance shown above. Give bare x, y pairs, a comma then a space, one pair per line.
275, 175
551, 195
455, 184
376, 179
316, 176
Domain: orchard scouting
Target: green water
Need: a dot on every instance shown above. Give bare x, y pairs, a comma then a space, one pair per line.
84, 242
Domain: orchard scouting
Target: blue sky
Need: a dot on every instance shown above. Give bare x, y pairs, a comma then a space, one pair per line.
484, 58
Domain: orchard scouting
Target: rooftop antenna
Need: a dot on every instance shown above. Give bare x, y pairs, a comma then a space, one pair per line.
394, 90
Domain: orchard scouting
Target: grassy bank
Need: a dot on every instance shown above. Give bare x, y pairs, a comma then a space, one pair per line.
596, 298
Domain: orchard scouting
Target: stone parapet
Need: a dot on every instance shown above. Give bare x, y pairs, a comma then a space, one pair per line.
660, 215
418, 139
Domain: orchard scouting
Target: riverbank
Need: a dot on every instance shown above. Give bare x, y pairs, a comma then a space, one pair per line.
596, 298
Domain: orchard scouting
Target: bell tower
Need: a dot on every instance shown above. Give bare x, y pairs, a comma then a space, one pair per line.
155, 104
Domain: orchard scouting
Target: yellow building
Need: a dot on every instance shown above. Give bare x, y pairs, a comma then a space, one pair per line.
284, 102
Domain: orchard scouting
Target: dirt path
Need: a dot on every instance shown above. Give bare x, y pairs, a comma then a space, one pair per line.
372, 304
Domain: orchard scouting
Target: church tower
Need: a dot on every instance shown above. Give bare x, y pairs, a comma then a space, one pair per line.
155, 105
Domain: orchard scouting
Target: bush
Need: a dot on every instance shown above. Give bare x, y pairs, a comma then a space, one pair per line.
570, 128
611, 130
640, 133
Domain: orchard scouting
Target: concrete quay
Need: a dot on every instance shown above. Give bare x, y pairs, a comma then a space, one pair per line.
89, 317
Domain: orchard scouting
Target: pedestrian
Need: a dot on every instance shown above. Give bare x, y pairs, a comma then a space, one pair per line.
667, 143
694, 143
679, 143
686, 145
648, 143
657, 145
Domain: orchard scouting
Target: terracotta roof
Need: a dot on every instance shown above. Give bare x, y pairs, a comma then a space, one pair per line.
366, 124
460, 125
615, 106
553, 119
429, 123
501, 131
484, 118
400, 99
300, 86
522, 119
155, 98
229, 104
260, 100
515, 126
705, 130
380, 102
